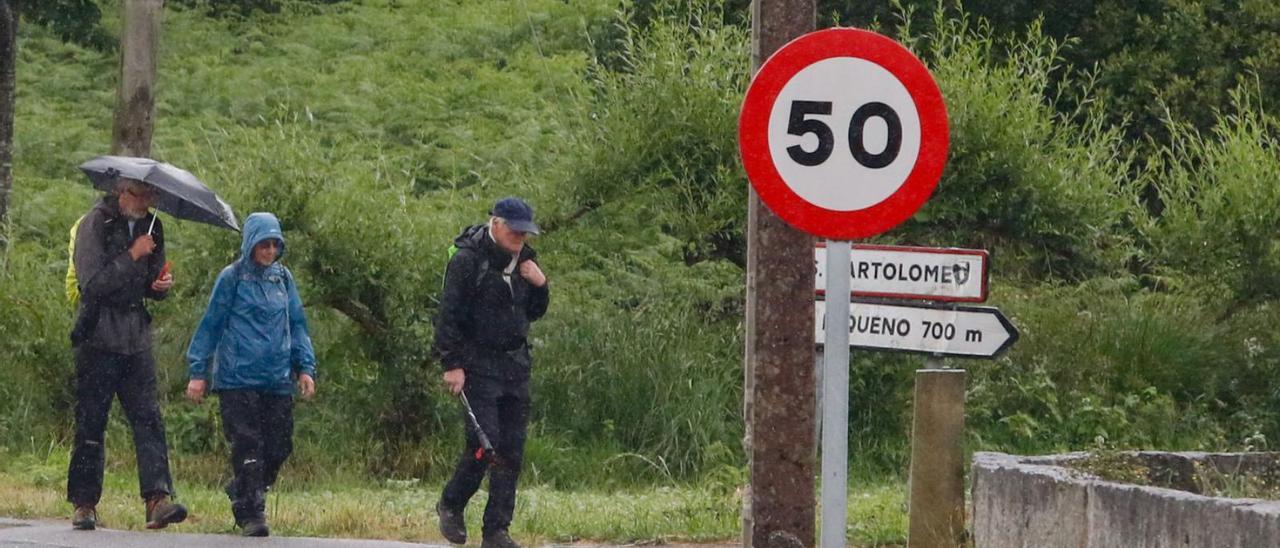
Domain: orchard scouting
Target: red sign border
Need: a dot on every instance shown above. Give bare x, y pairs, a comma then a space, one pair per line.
753, 134
986, 269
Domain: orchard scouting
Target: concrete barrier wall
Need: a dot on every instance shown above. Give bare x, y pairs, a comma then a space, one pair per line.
1036, 502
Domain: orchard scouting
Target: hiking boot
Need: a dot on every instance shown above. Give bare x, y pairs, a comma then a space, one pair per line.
161, 512
85, 518
451, 524
498, 539
255, 528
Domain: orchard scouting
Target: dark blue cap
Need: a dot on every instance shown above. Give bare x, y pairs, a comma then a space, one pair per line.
517, 214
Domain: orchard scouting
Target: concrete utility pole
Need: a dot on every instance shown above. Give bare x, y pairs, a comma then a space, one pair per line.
135, 101
779, 403
8, 70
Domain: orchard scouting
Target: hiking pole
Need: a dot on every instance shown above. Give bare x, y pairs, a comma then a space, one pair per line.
485, 446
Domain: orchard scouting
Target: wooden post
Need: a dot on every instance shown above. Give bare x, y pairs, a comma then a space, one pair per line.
779, 379
135, 101
8, 70
936, 503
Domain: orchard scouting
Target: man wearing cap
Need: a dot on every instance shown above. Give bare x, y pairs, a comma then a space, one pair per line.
493, 290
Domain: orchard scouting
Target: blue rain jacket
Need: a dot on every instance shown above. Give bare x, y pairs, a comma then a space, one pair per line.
254, 324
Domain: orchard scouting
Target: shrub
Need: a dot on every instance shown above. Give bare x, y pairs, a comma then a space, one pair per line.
1220, 204
663, 130
1049, 192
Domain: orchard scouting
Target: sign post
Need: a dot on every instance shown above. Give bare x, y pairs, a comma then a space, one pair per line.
835, 403
843, 134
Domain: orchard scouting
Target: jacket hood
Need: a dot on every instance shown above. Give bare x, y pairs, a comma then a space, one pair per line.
260, 226
477, 237
472, 236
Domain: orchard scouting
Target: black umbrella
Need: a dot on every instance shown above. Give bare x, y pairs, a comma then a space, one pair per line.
179, 194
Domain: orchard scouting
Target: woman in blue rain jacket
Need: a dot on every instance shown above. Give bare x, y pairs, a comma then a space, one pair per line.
252, 343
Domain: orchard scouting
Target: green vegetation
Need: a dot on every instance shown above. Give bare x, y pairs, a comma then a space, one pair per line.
1160, 60
1140, 267
1259, 479
324, 505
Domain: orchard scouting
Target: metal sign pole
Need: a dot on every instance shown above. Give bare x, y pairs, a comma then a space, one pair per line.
835, 397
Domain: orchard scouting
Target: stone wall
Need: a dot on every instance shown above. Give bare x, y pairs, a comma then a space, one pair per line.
1036, 502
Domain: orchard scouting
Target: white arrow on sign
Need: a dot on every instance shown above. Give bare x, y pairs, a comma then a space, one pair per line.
964, 331
930, 273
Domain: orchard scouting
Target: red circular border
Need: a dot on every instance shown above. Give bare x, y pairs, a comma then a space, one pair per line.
753, 133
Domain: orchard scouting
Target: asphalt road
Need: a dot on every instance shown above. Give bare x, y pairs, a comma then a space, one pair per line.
58, 534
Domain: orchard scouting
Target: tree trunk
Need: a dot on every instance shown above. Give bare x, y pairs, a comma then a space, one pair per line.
8, 60
135, 101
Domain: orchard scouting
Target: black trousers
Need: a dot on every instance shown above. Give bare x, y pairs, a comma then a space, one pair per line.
259, 428
100, 377
502, 409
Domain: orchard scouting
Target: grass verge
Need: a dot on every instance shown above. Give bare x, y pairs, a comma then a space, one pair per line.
32, 487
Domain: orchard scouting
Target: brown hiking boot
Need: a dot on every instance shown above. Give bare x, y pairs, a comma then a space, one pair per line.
85, 518
161, 512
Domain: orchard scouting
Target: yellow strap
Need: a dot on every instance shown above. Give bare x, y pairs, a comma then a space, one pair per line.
73, 286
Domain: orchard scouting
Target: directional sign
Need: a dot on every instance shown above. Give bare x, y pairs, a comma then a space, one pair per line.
929, 273
953, 330
843, 133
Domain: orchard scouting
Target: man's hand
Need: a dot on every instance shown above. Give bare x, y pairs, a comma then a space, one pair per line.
306, 386
530, 271
454, 379
162, 283
195, 390
142, 247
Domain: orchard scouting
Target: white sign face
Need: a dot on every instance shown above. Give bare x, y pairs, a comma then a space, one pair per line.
965, 331
911, 273
831, 120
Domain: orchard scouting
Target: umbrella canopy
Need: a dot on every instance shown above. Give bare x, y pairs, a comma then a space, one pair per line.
179, 194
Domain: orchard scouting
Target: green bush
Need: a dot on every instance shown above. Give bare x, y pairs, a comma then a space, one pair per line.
1108, 361
1049, 193
1220, 205
662, 131
377, 130
643, 353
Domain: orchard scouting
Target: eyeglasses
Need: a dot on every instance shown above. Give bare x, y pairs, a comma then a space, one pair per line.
504, 222
141, 195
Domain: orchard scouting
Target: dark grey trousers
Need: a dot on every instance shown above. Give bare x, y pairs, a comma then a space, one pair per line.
100, 377
259, 427
502, 409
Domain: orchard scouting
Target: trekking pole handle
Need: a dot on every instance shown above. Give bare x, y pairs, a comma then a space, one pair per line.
484, 440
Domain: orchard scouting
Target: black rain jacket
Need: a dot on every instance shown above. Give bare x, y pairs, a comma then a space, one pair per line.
111, 315
483, 325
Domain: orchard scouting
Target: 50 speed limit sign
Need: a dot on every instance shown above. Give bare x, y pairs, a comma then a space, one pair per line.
843, 133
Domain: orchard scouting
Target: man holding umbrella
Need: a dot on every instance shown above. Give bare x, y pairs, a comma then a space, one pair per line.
120, 261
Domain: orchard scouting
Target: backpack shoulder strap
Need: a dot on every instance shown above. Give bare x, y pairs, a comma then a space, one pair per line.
73, 284
235, 281
288, 279
484, 269
480, 272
